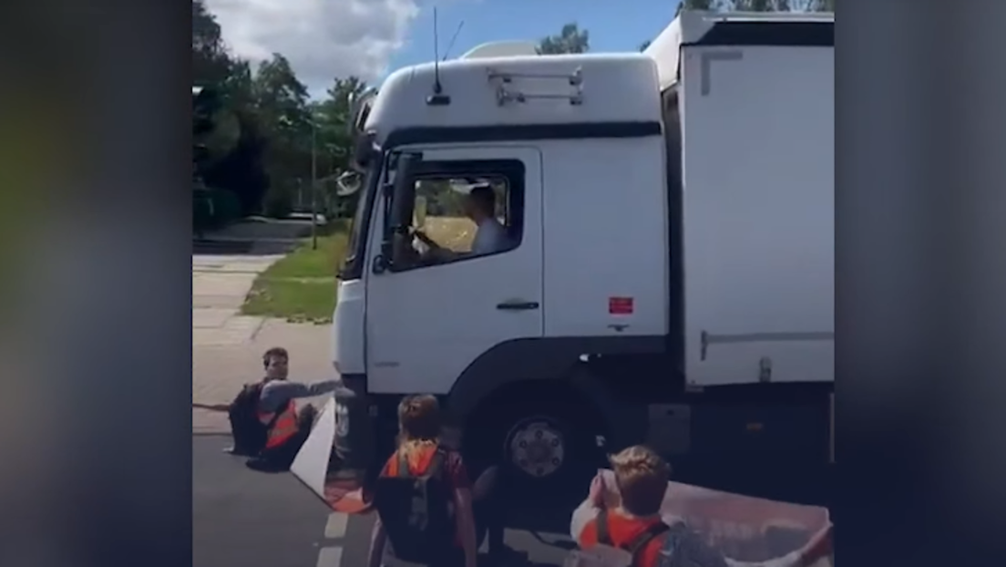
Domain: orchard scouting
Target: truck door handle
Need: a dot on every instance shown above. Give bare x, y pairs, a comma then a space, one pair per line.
517, 305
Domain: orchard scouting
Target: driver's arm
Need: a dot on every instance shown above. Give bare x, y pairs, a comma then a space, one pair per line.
425, 239
436, 252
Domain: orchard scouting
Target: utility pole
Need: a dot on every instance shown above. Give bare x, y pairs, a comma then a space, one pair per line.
314, 182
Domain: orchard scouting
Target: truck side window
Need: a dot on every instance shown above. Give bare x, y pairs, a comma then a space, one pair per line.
449, 201
447, 221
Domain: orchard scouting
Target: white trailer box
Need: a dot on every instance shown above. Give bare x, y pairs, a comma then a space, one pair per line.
757, 131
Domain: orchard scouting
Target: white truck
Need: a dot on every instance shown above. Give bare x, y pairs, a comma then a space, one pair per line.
669, 272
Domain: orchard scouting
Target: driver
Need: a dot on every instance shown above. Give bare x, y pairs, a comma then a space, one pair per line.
490, 236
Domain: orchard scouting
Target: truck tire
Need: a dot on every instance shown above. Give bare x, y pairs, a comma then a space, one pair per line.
546, 446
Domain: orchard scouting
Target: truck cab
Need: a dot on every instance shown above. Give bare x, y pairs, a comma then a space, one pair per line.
665, 269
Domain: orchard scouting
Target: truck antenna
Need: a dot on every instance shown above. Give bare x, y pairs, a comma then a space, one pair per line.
455, 37
437, 87
438, 98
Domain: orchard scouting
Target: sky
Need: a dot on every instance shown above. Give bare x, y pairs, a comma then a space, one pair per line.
324, 39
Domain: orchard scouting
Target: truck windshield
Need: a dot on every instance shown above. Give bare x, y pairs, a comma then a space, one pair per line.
352, 267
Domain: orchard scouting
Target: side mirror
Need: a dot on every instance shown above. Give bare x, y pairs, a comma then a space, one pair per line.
363, 151
348, 183
420, 214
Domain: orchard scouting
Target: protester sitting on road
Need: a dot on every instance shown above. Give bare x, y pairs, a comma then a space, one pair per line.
265, 422
428, 509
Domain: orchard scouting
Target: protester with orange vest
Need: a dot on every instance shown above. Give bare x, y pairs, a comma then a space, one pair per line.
632, 521
628, 517
265, 422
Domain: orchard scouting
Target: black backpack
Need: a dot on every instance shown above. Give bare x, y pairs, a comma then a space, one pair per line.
415, 511
683, 547
637, 544
248, 431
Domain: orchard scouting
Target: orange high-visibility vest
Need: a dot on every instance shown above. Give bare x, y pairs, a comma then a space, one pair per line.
284, 428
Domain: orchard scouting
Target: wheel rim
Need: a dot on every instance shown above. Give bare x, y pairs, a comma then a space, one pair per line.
536, 447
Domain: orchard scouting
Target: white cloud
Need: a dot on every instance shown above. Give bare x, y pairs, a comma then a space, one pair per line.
322, 39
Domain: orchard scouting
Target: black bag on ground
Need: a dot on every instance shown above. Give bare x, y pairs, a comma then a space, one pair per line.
248, 431
414, 510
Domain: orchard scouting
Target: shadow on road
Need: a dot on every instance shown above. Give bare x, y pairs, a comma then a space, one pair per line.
210, 247
221, 247
253, 237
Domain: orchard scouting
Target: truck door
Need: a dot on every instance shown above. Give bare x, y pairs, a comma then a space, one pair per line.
428, 319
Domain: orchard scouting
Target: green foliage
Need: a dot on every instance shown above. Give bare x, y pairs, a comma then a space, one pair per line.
213, 208
257, 139
202, 210
209, 54
750, 6
278, 202
226, 206
441, 200
301, 286
570, 40
757, 5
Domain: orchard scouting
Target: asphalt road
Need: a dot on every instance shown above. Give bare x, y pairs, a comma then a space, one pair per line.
242, 517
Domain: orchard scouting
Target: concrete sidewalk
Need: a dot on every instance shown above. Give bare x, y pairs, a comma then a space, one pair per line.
219, 287
227, 347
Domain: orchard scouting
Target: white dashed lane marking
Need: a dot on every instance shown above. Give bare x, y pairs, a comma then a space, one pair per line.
335, 528
330, 556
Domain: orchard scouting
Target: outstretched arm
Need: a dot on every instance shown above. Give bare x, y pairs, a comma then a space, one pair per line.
212, 407
819, 547
278, 393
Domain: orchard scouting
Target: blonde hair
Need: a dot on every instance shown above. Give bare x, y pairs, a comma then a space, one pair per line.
419, 424
642, 478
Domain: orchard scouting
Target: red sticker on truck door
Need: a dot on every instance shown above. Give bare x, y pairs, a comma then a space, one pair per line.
620, 305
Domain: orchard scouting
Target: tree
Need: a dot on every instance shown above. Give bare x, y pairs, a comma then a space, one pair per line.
205, 104
761, 5
210, 60
285, 121
697, 5
570, 40
333, 116
209, 67
756, 5
280, 97
258, 153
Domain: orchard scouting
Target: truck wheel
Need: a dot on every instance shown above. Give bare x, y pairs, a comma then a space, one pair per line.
545, 448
